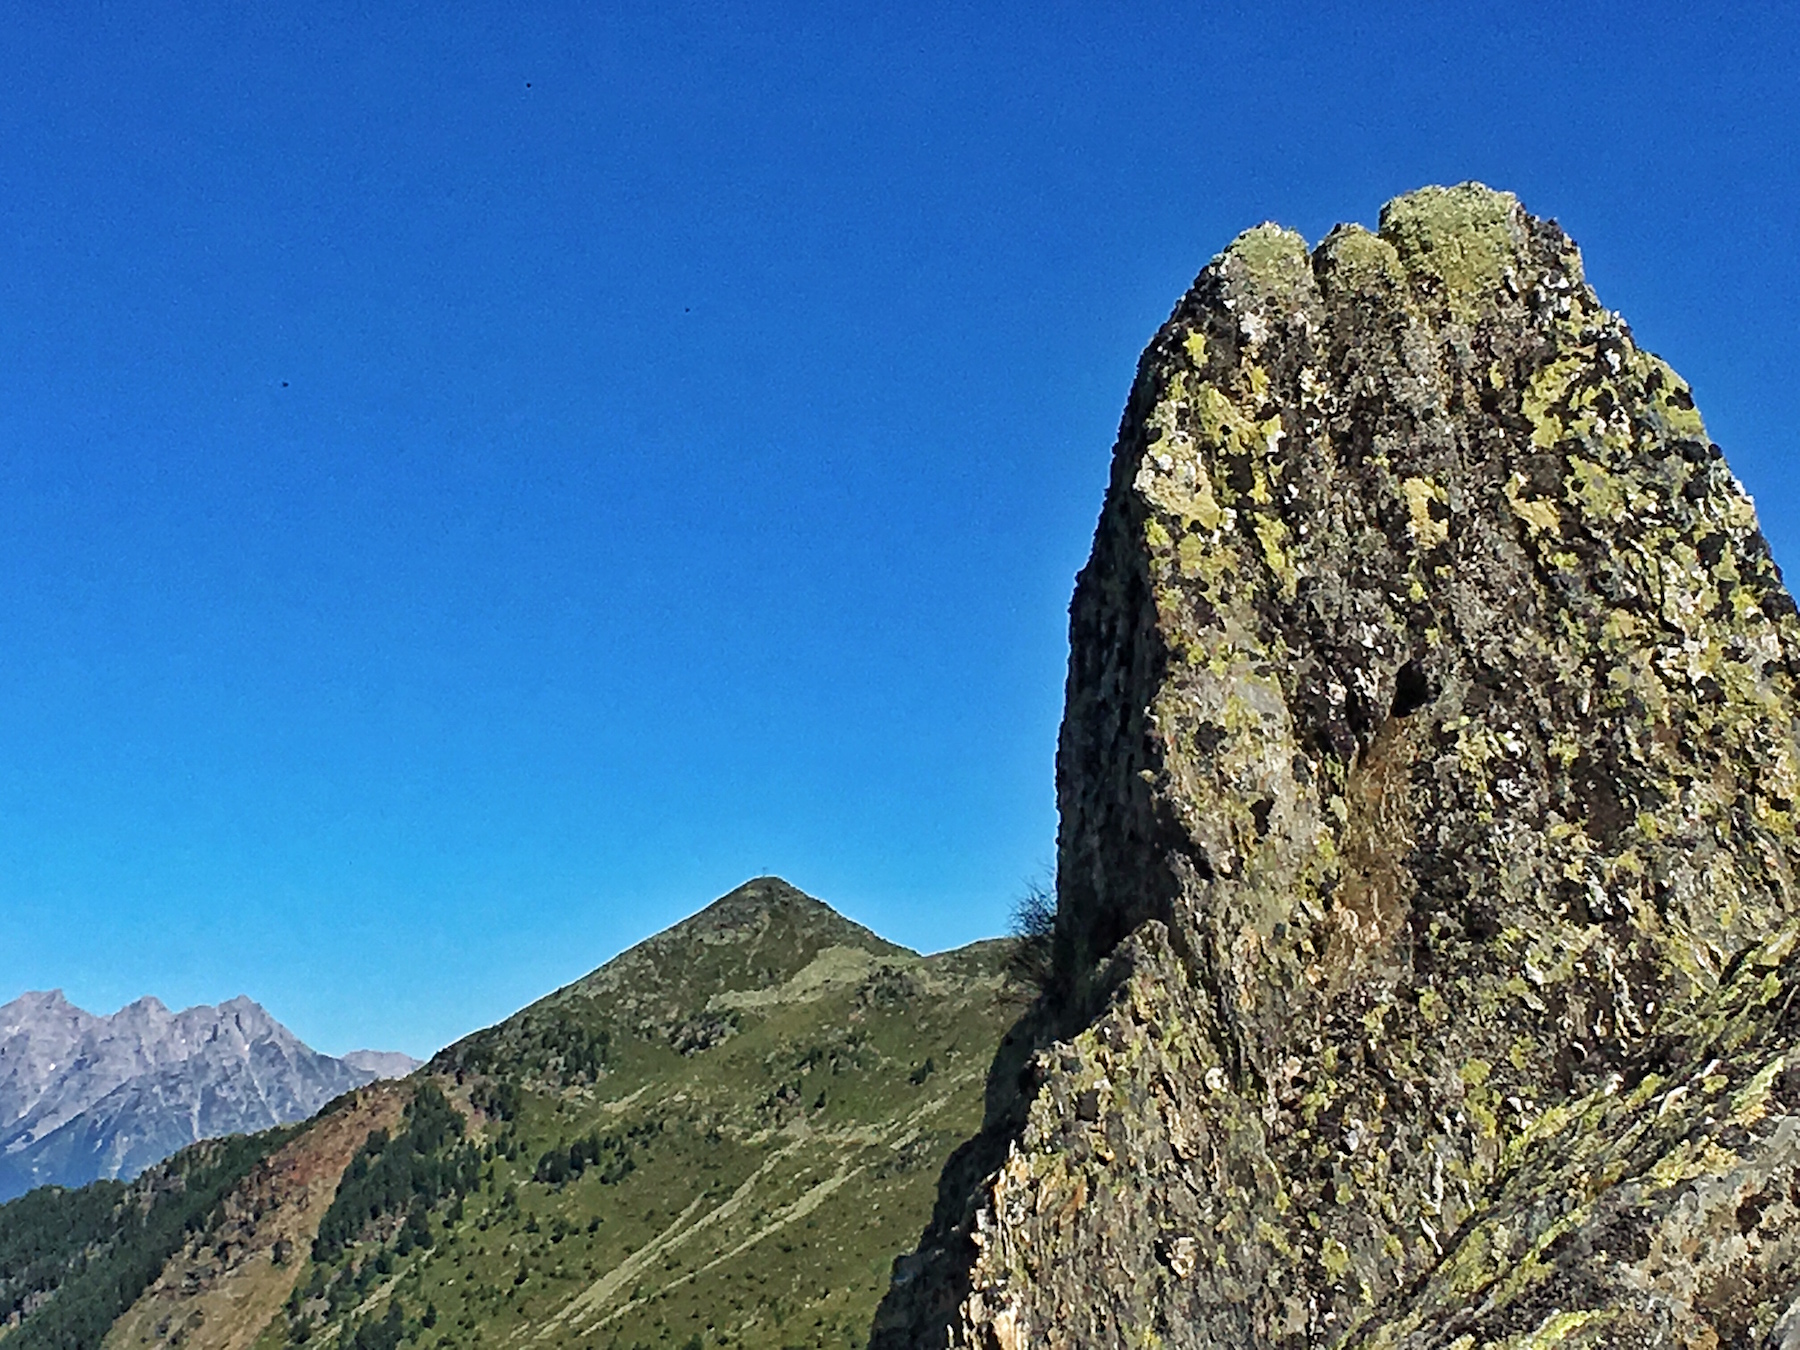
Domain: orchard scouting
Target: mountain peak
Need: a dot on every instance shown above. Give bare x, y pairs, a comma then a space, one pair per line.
38, 1001
38, 1009
254, 1019
761, 893
769, 912
83, 1096
756, 903
382, 1063
752, 940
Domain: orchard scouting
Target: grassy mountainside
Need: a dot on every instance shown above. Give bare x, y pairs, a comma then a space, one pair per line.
727, 1133
72, 1261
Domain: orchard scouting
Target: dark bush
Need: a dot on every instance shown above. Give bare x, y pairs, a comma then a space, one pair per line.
1033, 960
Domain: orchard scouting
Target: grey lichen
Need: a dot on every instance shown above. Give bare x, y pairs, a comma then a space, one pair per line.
1427, 916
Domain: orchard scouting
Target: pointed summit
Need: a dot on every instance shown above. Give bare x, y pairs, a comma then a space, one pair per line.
249, 1015
763, 903
34, 1007
759, 943
755, 937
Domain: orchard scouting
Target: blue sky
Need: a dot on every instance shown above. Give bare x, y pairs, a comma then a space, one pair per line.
478, 481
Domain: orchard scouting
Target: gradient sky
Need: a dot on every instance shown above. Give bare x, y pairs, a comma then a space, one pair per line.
478, 481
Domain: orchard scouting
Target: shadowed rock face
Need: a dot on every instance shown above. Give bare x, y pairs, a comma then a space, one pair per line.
1428, 778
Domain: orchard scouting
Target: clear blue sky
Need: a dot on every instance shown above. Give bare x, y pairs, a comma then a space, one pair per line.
478, 481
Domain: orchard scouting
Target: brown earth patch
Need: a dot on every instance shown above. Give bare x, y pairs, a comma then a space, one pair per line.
221, 1289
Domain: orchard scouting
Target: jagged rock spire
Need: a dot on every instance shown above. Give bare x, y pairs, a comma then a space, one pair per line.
1426, 869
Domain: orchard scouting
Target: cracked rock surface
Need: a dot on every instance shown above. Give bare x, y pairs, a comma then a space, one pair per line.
1427, 946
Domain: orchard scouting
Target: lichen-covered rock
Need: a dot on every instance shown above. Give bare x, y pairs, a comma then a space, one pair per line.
1428, 941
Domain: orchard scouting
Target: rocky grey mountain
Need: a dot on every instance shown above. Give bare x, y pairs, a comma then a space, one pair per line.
382, 1063
1427, 950
85, 1096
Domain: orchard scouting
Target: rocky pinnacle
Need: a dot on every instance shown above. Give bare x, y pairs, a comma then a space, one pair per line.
1427, 922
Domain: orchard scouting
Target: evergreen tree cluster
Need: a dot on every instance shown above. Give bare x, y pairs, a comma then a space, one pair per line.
111, 1242
49, 1235
500, 1098
342, 1292
383, 1333
612, 1153
554, 1047
572, 1051
407, 1174
386, 1331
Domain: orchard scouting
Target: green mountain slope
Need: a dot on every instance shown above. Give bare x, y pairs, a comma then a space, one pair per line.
71, 1261
726, 1133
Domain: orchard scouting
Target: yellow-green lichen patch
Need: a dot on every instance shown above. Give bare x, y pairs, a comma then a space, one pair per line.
1751, 1102
1273, 534
1276, 258
1192, 556
1674, 401
1546, 396
1335, 1257
1226, 427
1428, 529
1561, 1329
1466, 238
1432, 1007
1359, 260
1540, 516
1602, 495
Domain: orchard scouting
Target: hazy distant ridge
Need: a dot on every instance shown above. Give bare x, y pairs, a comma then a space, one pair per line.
85, 1096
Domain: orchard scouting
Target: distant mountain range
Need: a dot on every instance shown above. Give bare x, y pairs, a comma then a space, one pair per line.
84, 1097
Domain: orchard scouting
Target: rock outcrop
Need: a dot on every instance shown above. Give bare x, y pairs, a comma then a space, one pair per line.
1427, 923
